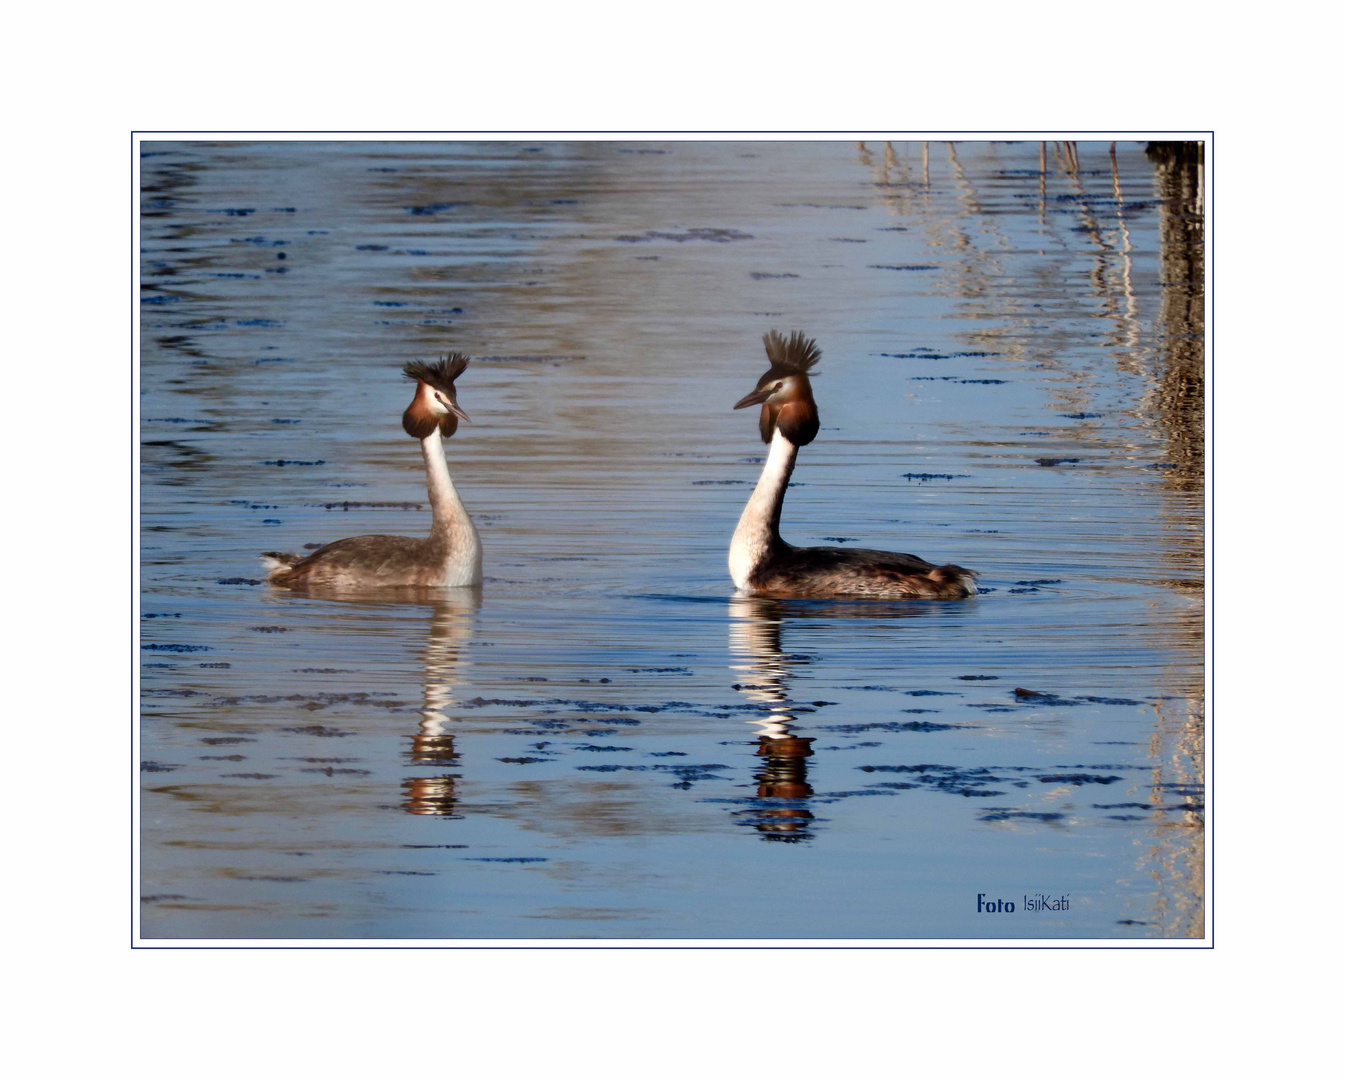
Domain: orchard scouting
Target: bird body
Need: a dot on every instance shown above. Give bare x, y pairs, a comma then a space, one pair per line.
449, 556
761, 562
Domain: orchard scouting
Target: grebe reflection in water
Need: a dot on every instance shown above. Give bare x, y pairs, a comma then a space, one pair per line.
764, 674
433, 745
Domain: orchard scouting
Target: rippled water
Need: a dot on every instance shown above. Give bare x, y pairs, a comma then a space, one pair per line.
601, 741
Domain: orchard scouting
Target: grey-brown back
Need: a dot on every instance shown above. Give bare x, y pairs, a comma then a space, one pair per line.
859, 572
368, 561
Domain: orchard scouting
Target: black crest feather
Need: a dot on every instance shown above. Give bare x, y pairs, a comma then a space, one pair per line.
793, 355
439, 374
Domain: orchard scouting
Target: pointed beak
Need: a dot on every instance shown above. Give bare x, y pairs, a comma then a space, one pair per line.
756, 397
456, 410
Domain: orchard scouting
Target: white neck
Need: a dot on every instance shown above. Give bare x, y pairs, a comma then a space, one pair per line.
759, 527
452, 526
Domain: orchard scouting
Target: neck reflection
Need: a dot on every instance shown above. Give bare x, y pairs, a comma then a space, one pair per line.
765, 674
433, 744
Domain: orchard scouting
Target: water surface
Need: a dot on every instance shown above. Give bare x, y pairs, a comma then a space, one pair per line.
601, 741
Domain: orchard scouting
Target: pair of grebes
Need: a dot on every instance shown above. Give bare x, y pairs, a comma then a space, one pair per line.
761, 563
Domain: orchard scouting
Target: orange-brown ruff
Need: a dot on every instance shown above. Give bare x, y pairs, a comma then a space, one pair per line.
449, 556
760, 562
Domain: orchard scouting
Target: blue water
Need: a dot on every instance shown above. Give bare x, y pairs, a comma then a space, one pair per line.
602, 741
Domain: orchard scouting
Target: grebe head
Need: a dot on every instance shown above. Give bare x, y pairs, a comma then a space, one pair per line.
436, 402
784, 392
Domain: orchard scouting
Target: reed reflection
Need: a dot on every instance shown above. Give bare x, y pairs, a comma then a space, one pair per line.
766, 672
1177, 853
1179, 179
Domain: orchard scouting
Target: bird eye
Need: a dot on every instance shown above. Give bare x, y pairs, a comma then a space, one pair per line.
778, 385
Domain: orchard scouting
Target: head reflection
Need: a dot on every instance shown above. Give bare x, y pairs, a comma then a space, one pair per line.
433, 745
764, 673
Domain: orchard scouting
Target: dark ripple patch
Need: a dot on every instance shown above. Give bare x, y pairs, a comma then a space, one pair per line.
317, 701
175, 648
1006, 814
580, 705
349, 505
430, 209
506, 858
891, 725
1077, 779
957, 379
686, 774
1193, 807
420, 846
930, 354
1037, 697
713, 236
969, 783
1186, 791
331, 770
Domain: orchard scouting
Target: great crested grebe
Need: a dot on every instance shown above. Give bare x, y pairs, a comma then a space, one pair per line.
451, 555
760, 562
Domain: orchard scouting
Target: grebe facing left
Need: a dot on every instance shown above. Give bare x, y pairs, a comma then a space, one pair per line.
452, 553
760, 562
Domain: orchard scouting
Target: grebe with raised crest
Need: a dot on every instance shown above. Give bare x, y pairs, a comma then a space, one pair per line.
450, 556
760, 562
